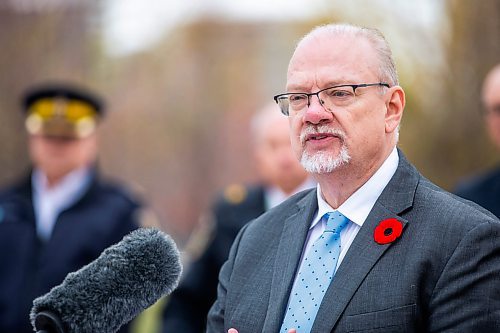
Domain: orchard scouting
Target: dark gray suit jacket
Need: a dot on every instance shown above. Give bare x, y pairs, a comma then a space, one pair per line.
441, 275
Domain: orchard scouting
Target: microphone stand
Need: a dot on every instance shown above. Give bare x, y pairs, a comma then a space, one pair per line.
48, 322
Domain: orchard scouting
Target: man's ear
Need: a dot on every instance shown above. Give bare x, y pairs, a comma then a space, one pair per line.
395, 105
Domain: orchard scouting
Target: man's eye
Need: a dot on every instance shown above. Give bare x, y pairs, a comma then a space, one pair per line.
297, 98
339, 93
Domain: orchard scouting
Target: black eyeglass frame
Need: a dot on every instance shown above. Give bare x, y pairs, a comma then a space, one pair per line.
354, 87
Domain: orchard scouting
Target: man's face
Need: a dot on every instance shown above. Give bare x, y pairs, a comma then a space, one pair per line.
491, 99
57, 157
276, 160
354, 134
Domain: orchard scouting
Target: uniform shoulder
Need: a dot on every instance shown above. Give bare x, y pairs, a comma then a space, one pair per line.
441, 203
239, 195
19, 187
129, 198
119, 191
468, 187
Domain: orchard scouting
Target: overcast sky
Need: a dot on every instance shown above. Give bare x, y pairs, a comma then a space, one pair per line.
132, 25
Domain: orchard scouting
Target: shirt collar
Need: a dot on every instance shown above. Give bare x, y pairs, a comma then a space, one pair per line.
65, 191
357, 207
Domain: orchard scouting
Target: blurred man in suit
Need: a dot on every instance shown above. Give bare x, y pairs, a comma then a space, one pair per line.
61, 215
485, 189
281, 176
375, 247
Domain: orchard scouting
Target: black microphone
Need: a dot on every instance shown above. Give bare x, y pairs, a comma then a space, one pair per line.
124, 280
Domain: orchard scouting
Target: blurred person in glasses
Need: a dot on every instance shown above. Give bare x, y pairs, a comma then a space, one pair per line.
62, 214
375, 247
280, 176
484, 189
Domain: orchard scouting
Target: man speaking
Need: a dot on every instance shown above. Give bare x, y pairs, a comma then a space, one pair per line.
375, 247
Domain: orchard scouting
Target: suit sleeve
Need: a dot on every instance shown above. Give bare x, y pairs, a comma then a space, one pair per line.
466, 297
216, 315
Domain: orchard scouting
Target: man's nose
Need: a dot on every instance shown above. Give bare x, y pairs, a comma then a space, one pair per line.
316, 112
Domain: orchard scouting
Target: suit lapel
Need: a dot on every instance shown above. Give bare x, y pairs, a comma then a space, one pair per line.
293, 236
364, 251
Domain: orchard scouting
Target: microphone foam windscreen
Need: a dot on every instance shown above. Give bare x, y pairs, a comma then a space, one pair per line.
125, 279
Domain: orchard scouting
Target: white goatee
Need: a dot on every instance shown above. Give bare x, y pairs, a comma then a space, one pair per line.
323, 162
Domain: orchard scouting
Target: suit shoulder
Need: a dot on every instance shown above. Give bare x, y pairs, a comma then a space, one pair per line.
286, 208
267, 228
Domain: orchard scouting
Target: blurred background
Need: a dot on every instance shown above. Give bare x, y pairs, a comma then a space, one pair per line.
183, 78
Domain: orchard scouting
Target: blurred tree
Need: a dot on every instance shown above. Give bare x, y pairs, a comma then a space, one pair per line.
179, 112
40, 41
452, 141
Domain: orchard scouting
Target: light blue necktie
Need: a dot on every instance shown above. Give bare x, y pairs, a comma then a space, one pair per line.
315, 275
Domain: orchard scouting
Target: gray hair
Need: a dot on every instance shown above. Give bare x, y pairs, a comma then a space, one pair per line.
374, 36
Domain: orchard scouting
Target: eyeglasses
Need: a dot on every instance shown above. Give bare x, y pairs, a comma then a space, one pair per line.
341, 95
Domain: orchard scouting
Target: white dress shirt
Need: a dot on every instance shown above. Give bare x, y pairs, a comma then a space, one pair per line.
49, 202
356, 208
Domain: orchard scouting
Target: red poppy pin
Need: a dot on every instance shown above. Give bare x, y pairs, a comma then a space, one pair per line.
387, 231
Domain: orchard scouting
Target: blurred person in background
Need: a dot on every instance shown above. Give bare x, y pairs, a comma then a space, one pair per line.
485, 189
281, 176
61, 215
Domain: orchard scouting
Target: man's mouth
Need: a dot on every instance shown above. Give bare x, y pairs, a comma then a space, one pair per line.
321, 134
318, 136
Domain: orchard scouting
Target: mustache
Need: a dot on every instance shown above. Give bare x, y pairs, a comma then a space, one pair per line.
316, 129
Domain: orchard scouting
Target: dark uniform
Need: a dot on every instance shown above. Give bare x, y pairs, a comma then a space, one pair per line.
99, 217
483, 190
31, 267
188, 305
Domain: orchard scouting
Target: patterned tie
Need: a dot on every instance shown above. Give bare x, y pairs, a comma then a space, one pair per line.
314, 276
